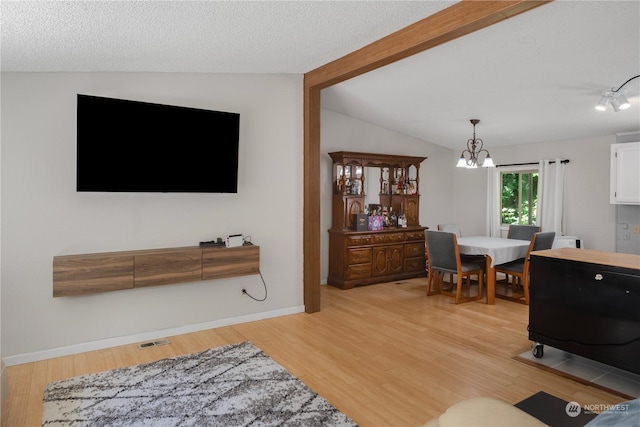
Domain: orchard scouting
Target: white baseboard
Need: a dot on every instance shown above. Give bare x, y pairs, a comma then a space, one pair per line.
131, 339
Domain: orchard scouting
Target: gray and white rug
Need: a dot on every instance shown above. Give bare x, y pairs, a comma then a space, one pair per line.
234, 385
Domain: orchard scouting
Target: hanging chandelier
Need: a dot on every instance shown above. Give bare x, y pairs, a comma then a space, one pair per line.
470, 158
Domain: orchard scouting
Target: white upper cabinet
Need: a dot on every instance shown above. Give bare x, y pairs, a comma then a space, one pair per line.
625, 173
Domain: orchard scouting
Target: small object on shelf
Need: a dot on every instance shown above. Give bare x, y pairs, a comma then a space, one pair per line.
402, 221
362, 222
217, 242
212, 243
234, 240
376, 222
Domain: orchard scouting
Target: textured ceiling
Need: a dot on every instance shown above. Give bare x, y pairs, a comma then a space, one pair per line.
535, 77
195, 36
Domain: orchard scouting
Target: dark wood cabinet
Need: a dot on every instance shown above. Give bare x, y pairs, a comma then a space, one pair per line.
367, 257
587, 303
374, 256
411, 207
345, 209
387, 260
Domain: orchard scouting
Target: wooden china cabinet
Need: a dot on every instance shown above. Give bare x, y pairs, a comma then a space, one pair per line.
360, 255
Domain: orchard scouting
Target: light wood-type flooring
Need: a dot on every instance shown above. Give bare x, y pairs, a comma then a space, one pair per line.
386, 355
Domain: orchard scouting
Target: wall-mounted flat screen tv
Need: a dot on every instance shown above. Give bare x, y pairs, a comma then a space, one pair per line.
132, 146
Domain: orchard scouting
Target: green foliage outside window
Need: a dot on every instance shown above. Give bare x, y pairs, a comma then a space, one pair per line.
519, 196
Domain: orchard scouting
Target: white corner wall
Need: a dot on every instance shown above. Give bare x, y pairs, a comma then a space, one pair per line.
343, 133
43, 215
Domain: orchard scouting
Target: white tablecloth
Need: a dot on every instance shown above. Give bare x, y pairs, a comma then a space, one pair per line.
500, 250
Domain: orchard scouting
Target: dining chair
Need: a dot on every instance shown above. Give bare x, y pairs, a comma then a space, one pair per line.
519, 269
444, 257
522, 232
450, 228
455, 228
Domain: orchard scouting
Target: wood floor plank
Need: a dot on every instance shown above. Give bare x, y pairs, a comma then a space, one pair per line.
386, 355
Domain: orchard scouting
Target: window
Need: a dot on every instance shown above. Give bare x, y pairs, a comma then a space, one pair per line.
518, 197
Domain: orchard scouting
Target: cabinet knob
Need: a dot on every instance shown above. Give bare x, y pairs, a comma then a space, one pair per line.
599, 276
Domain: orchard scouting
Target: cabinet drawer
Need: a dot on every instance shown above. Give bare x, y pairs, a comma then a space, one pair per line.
358, 240
361, 271
358, 256
78, 274
163, 268
414, 249
218, 263
388, 238
414, 235
413, 264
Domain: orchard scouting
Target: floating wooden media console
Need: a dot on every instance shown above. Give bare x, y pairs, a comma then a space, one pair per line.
112, 271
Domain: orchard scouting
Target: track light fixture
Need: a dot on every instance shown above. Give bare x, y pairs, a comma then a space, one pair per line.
616, 97
470, 158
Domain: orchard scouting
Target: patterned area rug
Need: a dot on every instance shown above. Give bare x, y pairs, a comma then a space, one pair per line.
234, 385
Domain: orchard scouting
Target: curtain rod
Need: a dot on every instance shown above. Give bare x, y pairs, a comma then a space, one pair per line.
565, 161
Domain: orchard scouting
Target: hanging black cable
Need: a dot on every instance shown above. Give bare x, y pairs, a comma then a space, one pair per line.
244, 290
622, 85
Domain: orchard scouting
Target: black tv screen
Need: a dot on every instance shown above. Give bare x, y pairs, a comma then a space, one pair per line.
132, 146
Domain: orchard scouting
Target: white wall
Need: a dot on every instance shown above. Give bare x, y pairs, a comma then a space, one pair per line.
4, 377
343, 133
588, 213
43, 216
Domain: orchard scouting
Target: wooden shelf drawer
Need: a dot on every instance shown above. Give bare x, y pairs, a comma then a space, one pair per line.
358, 256
79, 274
413, 264
361, 271
166, 268
218, 263
388, 238
414, 249
359, 240
414, 235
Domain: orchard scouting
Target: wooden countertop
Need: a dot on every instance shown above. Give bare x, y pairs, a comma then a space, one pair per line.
156, 251
385, 230
592, 257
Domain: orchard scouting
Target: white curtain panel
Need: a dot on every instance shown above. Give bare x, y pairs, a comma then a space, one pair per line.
551, 196
493, 203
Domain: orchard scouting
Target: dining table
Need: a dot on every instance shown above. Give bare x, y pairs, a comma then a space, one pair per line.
496, 250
